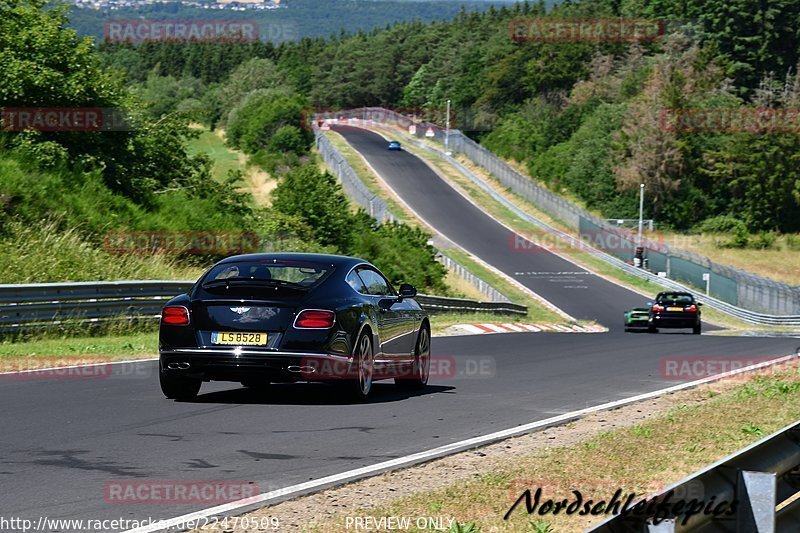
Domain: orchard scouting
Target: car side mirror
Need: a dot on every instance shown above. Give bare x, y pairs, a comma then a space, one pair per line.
699, 304
407, 291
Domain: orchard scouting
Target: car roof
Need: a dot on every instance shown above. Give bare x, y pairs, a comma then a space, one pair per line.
339, 261
674, 293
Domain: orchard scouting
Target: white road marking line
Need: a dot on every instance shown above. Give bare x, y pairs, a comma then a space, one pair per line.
351, 475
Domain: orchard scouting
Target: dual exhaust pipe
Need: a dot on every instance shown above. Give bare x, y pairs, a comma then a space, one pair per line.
301, 369
295, 369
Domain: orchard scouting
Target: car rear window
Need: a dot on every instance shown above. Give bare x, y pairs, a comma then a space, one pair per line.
677, 298
301, 273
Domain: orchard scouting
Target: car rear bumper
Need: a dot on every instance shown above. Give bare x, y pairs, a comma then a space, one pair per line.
674, 321
237, 364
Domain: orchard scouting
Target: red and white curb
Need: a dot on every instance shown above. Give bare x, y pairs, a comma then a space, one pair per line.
478, 329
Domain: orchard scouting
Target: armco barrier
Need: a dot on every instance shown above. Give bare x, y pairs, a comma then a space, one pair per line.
758, 478
352, 185
37, 305
731, 285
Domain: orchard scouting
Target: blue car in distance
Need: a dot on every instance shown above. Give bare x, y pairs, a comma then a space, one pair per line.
394, 145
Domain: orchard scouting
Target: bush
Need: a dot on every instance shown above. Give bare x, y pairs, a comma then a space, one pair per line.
740, 239
764, 240
793, 242
719, 224
253, 124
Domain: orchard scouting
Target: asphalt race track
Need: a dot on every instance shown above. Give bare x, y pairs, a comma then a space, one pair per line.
65, 438
579, 293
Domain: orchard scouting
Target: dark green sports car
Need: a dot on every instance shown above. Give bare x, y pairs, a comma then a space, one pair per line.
637, 317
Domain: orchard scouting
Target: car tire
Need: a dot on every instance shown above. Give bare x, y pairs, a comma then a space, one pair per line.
652, 329
697, 329
422, 363
178, 387
364, 361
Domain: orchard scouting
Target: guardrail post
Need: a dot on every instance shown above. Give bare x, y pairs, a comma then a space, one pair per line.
757, 493
667, 526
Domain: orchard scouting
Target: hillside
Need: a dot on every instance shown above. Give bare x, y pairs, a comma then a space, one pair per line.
585, 118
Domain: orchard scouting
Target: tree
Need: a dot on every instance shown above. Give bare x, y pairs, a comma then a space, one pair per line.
317, 199
648, 152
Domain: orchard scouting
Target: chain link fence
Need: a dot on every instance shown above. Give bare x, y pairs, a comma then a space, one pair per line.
730, 285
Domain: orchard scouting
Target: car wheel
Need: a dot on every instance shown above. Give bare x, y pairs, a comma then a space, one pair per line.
696, 330
364, 359
179, 388
422, 363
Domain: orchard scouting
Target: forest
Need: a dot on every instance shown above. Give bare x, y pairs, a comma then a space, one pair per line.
584, 118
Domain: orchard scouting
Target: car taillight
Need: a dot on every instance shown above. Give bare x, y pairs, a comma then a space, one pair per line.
691, 308
315, 319
176, 315
658, 308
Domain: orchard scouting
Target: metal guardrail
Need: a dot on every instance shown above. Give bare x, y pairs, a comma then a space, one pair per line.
444, 304
352, 185
740, 313
461, 271
761, 479
45, 304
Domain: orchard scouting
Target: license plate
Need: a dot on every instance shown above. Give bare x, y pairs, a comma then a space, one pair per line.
674, 308
238, 338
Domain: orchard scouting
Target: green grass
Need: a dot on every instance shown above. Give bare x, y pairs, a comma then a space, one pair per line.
691, 430
224, 158
42, 254
62, 350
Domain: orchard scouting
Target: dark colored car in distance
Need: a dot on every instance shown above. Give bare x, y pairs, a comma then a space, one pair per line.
394, 145
286, 317
675, 310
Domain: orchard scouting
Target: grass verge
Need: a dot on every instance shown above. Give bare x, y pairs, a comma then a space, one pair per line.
74, 350
639, 448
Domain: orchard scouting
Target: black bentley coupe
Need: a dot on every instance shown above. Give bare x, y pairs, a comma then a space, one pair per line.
284, 317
